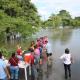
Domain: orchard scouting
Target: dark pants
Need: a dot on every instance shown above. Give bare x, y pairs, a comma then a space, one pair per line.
67, 70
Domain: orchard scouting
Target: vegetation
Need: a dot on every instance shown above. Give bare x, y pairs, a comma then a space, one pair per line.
63, 18
19, 16
6, 53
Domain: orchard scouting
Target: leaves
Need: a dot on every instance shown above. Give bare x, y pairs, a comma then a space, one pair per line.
19, 15
63, 18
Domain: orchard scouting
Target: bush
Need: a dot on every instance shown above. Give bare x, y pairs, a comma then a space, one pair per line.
6, 53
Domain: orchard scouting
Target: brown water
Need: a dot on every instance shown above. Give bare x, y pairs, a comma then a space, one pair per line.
58, 40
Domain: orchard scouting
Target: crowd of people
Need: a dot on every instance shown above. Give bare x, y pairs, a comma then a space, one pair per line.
35, 56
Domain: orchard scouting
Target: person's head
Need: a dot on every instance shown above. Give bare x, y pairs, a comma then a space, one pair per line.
41, 38
0, 55
13, 54
67, 51
50, 54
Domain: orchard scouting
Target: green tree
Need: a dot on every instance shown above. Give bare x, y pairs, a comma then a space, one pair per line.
65, 16
75, 22
54, 21
19, 15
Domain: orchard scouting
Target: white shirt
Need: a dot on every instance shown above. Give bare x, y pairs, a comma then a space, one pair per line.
48, 47
66, 58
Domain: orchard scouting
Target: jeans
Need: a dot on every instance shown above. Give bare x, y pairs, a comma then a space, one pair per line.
14, 70
67, 69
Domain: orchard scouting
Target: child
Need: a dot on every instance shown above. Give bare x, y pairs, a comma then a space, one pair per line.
67, 60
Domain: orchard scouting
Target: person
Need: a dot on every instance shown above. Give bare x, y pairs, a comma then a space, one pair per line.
48, 48
19, 53
34, 73
32, 64
67, 60
14, 69
4, 73
37, 53
38, 43
32, 45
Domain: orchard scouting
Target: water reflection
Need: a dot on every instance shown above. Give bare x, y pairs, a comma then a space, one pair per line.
63, 36
66, 36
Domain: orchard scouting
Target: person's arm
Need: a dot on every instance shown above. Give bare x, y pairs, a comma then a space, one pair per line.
6, 69
7, 72
61, 57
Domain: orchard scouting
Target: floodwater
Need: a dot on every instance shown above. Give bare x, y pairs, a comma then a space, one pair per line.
59, 40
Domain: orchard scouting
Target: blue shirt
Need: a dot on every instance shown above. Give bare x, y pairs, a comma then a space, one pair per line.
2, 71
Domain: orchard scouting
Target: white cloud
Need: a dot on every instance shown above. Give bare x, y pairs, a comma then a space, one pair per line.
34, 1
46, 7
43, 12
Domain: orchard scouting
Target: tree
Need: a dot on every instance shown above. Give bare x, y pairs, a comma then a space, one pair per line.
54, 21
65, 16
19, 15
75, 22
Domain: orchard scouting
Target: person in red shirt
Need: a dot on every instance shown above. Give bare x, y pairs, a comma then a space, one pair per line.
32, 56
34, 73
14, 69
19, 53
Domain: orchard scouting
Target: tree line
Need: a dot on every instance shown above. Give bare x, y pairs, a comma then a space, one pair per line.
63, 18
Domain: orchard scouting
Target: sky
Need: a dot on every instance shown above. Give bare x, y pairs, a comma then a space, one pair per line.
47, 7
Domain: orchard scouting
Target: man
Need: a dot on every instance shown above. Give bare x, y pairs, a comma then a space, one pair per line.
4, 74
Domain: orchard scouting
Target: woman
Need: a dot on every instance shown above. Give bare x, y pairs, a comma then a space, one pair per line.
14, 69
67, 60
32, 45
37, 53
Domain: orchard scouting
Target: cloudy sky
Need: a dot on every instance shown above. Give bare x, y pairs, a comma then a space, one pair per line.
47, 7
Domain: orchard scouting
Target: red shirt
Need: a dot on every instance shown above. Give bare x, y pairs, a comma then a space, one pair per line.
13, 61
32, 59
19, 51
